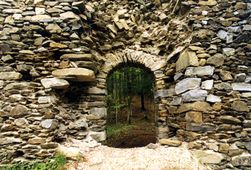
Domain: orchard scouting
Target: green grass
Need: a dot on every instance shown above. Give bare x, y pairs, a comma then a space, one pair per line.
56, 163
115, 130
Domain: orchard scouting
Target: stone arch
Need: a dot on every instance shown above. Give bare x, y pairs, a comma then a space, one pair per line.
156, 64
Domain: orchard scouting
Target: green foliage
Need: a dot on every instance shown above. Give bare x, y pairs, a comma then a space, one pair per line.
122, 85
56, 163
114, 130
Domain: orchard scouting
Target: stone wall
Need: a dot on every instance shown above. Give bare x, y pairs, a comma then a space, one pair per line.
55, 56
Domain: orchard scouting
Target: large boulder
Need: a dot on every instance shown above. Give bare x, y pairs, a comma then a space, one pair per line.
75, 74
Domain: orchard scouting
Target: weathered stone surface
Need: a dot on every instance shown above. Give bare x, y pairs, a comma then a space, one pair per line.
229, 51
49, 124
193, 116
36, 141
164, 93
241, 77
76, 57
17, 86
18, 111
223, 86
208, 3
196, 106
194, 95
40, 18
247, 124
80, 124
10, 140
207, 85
241, 86
208, 156
55, 83
69, 15
57, 45
200, 127
10, 76
75, 74
240, 106
225, 75
187, 58
21, 122
170, 142
99, 136
187, 84
216, 60
96, 90
213, 99
200, 71
229, 120
44, 99
242, 160
100, 112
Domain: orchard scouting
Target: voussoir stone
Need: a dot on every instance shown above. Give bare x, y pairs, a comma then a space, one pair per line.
10, 75
187, 84
55, 83
75, 74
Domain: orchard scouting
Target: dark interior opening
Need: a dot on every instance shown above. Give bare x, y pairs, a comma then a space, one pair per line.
131, 109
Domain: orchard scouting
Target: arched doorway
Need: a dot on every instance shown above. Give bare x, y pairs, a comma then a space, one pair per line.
131, 118
153, 64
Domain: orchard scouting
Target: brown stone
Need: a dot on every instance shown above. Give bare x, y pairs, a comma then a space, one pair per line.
193, 116
76, 57
240, 106
170, 142
36, 141
196, 106
226, 75
187, 58
18, 111
75, 74
224, 148
57, 45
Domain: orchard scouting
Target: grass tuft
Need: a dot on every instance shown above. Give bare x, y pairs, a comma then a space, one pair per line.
56, 163
115, 130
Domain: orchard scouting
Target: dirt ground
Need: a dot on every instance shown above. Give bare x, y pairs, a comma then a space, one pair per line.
143, 158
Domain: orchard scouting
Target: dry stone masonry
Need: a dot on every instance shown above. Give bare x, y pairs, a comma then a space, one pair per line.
55, 57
